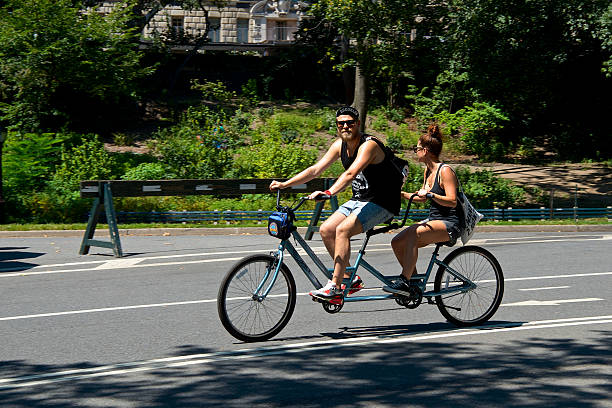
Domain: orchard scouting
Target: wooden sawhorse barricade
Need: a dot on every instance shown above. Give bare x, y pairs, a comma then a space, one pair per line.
103, 191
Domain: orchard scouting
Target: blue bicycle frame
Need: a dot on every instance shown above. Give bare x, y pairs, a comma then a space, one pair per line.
421, 279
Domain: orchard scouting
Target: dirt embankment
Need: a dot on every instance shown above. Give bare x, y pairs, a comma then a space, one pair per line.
589, 184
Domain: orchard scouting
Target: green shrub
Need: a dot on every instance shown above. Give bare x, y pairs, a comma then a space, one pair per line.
484, 188
249, 92
402, 138
395, 142
380, 123
29, 160
272, 159
393, 114
479, 126
148, 171
265, 113
88, 161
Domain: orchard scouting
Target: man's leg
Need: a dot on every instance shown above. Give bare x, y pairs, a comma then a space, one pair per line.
328, 231
351, 226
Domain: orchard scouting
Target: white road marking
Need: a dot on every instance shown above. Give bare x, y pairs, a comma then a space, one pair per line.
118, 263
107, 309
546, 288
551, 302
318, 250
252, 353
187, 302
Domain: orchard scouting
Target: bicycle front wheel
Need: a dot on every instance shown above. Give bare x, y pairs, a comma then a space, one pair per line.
243, 313
477, 305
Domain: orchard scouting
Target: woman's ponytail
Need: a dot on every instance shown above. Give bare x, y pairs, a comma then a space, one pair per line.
432, 140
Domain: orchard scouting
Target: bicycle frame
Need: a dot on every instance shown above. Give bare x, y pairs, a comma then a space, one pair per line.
286, 245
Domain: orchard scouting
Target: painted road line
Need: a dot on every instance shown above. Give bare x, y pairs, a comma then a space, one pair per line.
546, 288
190, 302
551, 302
319, 250
311, 346
107, 309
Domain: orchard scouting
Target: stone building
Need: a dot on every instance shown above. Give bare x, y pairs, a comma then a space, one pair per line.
239, 25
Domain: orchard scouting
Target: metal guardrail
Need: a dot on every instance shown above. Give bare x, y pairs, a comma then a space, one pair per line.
493, 214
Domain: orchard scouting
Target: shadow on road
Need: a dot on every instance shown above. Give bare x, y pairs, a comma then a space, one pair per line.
458, 372
10, 259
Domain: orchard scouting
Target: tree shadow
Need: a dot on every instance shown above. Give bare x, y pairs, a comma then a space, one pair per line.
10, 259
456, 372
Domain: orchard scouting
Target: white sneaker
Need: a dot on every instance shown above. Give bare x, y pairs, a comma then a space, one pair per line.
327, 292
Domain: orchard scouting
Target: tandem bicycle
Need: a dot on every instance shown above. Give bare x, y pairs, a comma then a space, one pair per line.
257, 296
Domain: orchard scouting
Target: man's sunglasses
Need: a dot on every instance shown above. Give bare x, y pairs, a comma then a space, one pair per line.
349, 123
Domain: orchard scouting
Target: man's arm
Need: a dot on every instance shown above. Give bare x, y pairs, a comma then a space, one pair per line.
368, 153
314, 171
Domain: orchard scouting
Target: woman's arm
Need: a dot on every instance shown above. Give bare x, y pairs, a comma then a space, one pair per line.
449, 182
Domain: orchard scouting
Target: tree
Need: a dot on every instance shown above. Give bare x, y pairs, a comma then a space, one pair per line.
541, 62
381, 38
59, 60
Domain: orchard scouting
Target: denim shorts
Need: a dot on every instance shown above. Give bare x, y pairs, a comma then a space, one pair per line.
368, 214
453, 229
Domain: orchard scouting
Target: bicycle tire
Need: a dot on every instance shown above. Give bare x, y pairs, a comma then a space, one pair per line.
249, 319
476, 305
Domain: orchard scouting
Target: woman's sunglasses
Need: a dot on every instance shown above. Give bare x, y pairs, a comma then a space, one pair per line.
349, 123
417, 148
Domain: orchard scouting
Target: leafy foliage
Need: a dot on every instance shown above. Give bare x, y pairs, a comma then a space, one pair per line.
29, 159
487, 190
55, 58
479, 126
87, 161
273, 159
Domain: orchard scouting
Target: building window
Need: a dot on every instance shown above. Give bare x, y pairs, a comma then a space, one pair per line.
281, 31
178, 25
214, 31
242, 30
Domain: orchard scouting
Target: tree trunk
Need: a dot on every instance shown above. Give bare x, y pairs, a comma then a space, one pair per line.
348, 74
361, 96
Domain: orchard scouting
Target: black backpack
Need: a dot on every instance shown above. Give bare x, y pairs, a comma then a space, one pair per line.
399, 164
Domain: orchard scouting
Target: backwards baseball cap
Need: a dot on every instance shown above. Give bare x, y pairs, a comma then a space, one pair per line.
348, 110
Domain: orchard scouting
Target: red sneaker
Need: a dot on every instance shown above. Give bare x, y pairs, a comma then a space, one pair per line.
356, 285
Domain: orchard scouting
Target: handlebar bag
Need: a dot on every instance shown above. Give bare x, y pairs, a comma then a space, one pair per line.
280, 225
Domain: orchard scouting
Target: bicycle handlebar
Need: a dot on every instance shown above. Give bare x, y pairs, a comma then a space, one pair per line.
371, 232
320, 197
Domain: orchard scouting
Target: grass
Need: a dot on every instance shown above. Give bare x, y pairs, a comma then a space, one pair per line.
244, 224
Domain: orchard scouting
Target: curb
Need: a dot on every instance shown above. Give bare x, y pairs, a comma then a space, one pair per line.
264, 231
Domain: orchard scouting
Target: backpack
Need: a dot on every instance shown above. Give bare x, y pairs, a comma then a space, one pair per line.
397, 163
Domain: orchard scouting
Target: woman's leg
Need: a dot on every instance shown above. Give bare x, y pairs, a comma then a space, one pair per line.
406, 244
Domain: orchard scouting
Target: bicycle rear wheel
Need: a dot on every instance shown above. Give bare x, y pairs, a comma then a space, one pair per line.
246, 316
477, 305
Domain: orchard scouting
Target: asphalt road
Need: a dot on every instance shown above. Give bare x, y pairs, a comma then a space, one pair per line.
143, 331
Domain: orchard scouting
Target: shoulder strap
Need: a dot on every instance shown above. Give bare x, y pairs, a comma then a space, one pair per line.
453, 170
388, 153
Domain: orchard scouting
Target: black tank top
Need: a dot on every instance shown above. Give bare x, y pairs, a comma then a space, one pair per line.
439, 211
370, 185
